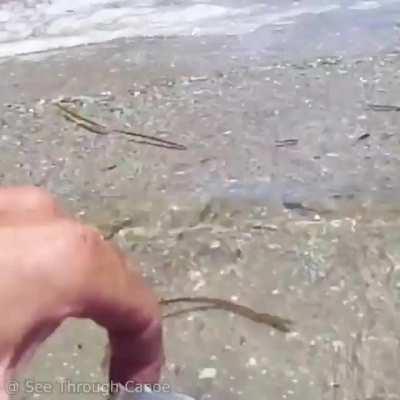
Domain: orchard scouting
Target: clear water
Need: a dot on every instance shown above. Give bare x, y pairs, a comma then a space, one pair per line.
332, 266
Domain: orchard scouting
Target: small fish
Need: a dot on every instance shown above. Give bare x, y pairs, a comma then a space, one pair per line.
286, 142
296, 205
383, 107
363, 137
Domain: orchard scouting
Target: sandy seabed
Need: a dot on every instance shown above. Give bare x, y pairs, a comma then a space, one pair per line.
285, 200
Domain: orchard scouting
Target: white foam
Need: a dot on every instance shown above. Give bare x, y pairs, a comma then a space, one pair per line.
365, 5
65, 23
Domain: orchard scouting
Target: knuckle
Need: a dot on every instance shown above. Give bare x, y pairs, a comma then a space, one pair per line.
95, 257
40, 198
31, 198
85, 240
79, 244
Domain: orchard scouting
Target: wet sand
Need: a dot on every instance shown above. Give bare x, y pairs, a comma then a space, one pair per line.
307, 229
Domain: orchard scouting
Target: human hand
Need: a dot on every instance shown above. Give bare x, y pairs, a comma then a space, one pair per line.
54, 268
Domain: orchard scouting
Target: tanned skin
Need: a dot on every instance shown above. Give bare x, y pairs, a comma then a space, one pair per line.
52, 267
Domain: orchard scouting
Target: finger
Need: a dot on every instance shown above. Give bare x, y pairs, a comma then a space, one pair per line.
28, 200
118, 299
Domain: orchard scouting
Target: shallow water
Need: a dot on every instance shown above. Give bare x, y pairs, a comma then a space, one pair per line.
308, 231
287, 199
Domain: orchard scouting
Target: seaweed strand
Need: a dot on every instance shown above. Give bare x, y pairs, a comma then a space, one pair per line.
281, 324
95, 127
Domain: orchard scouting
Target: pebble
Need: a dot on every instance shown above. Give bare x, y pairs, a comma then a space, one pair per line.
199, 285
207, 373
252, 362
